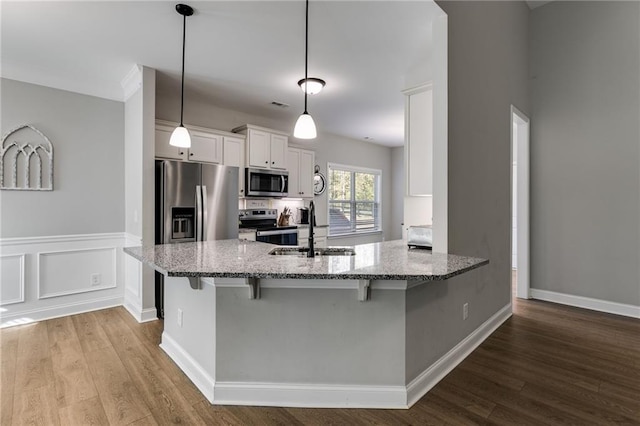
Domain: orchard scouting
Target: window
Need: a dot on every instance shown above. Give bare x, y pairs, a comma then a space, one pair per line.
354, 200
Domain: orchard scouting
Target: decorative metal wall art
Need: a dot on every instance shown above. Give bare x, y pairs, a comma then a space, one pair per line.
26, 160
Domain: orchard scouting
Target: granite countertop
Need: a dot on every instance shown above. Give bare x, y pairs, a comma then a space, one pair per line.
390, 260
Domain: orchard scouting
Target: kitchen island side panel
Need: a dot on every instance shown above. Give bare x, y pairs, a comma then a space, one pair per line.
322, 336
194, 333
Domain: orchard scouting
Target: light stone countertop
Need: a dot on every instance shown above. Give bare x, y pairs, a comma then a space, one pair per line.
390, 260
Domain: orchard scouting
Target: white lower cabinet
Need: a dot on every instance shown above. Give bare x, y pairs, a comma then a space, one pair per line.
320, 237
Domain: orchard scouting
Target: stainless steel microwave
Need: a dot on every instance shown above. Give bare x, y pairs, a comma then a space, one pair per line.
266, 183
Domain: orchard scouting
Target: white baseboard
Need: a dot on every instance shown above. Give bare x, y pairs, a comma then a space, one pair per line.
57, 311
324, 395
203, 381
436, 372
310, 395
586, 303
141, 315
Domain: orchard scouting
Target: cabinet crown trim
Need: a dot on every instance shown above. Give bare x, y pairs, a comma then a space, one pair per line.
172, 124
245, 127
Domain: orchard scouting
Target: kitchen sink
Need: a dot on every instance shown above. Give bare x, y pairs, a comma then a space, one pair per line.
320, 251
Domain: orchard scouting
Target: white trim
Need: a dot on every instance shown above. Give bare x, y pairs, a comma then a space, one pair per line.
436, 372
41, 295
22, 280
139, 314
327, 395
309, 395
522, 160
131, 82
60, 239
418, 89
440, 134
41, 314
616, 308
132, 239
198, 375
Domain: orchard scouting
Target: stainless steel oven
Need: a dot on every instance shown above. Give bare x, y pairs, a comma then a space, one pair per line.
281, 237
264, 221
266, 183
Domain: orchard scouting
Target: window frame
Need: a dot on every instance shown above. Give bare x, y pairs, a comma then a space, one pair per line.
377, 198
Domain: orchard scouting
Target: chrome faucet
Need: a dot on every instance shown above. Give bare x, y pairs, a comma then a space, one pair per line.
312, 222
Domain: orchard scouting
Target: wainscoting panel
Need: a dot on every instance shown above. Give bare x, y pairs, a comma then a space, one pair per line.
51, 276
12, 279
61, 273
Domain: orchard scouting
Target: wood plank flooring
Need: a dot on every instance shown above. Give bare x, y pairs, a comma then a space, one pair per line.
548, 364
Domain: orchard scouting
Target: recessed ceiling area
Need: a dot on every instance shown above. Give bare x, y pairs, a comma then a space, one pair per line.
240, 55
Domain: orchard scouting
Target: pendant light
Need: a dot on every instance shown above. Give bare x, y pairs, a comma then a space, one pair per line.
305, 127
180, 136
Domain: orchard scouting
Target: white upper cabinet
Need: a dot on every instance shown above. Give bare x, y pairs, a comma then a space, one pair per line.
206, 144
205, 147
234, 156
300, 165
419, 140
163, 149
266, 148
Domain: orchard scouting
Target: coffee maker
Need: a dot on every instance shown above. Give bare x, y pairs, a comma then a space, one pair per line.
302, 216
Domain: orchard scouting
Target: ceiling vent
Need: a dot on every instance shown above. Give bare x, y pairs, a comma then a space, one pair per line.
279, 104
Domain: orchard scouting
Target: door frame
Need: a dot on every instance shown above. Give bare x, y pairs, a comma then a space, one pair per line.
520, 135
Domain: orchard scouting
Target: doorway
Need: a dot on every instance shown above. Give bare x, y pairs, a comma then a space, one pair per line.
520, 202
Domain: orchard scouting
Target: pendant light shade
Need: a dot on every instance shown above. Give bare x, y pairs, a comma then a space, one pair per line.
305, 127
180, 136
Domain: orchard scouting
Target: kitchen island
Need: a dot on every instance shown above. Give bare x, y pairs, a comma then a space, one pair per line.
370, 330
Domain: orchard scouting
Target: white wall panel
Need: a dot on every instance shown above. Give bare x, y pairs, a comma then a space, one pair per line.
62, 273
12, 279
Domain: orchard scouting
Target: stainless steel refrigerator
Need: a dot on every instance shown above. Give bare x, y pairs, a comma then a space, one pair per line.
194, 202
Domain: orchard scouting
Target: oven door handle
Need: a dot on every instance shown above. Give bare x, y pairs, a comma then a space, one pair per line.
278, 232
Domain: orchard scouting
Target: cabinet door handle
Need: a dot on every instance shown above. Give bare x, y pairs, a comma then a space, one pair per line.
266, 162
273, 162
181, 152
191, 154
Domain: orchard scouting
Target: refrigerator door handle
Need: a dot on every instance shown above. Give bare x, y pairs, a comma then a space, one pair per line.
204, 213
198, 213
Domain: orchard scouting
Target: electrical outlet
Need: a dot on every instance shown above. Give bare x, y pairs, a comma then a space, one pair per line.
179, 317
465, 311
96, 279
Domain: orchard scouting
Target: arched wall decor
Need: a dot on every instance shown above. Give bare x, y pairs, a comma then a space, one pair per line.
23, 160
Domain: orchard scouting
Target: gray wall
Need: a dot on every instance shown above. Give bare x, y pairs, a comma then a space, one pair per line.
585, 149
87, 134
487, 71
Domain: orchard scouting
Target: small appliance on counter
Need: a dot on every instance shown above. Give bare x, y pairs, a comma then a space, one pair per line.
265, 221
420, 236
302, 217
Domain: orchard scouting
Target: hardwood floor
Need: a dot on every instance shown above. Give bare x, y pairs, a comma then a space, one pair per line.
548, 364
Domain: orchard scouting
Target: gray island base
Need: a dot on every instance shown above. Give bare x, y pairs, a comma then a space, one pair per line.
377, 329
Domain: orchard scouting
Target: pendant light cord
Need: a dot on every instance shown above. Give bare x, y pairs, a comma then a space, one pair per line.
184, 35
306, 56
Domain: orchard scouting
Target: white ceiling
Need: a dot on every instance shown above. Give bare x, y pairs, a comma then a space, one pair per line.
240, 55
